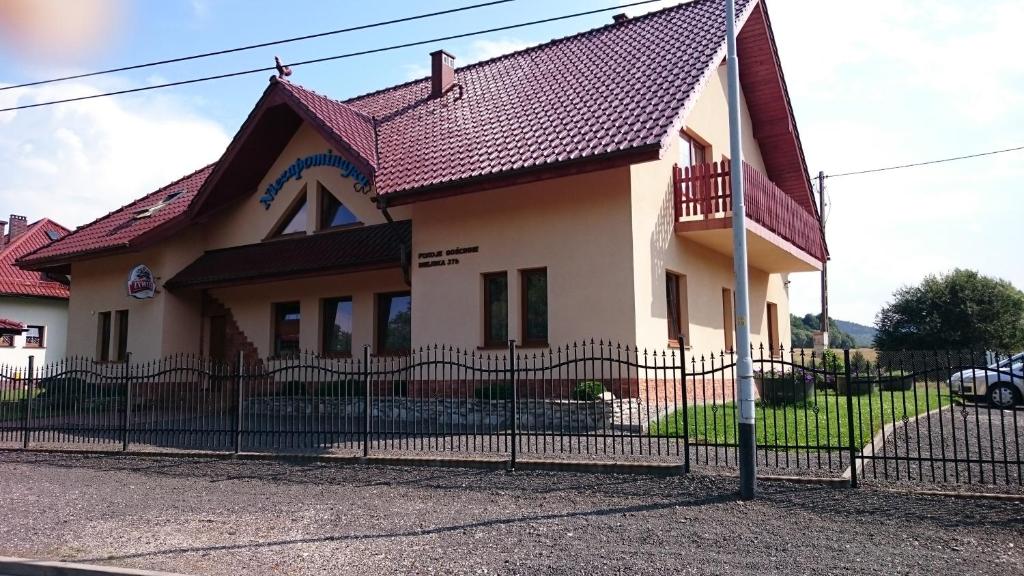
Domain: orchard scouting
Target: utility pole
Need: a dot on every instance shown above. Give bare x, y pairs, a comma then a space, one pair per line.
744, 363
824, 263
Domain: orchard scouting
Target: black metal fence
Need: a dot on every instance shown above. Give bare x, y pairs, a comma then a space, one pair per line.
907, 416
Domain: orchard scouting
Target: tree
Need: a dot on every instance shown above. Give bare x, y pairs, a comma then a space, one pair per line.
960, 310
803, 329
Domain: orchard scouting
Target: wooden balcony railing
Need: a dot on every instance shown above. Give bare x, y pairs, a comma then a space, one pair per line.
702, 192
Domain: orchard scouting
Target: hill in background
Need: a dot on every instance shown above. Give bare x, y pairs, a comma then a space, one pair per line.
841, 334
863, 335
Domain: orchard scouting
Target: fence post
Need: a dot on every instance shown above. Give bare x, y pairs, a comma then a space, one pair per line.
366, 401
849, 418
127, 402
27, 419
239, 383
686, 409
512, 378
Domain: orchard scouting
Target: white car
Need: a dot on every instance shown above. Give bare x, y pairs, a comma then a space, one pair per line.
1001, 384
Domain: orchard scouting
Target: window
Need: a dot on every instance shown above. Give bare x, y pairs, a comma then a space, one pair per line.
495, 309
677, 307
394, 323
121, 325
534, 288
691, 151
286, 329
729, 319
336, 338
334, 214
35, 337
773, 329
7, 341
295, 220
103, 337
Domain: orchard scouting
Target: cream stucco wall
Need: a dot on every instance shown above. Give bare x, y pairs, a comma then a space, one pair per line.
709, 121
251, 305
52, 314
577, 227
248, 221
165, 324
657, 248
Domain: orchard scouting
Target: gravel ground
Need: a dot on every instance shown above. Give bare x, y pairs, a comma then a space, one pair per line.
241, 518
995, 437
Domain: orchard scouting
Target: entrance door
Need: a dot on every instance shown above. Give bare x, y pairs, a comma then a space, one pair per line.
219, 337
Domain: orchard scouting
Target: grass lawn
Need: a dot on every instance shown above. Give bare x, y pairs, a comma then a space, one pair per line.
823, 424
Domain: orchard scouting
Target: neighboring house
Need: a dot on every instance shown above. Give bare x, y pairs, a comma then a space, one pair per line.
561, 192
35, 301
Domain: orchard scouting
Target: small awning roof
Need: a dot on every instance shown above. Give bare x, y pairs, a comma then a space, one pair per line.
9, 327
352, 250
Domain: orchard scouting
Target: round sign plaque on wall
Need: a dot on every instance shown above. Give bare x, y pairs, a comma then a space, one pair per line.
140, 283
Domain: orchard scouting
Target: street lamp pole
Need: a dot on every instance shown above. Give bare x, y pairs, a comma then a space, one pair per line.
744, 362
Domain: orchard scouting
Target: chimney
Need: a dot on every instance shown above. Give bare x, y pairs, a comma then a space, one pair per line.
619, 18
18, 225
3, 229
442, 72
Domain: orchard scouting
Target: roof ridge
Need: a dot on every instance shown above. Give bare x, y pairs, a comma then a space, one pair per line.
629, 21
347, 106
20, 238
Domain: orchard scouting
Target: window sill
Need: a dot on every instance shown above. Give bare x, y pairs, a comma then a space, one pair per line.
493, 347
337, 356
675, 344
34, 347
533, 346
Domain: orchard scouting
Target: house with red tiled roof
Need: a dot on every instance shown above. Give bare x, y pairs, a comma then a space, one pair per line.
575, 189
33, 304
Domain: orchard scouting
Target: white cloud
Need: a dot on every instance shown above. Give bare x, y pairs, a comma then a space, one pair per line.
478, 50
634, 11
881, 83
77, 161
487, 49
416, 71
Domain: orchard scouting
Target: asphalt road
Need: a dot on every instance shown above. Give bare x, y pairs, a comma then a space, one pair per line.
244, 517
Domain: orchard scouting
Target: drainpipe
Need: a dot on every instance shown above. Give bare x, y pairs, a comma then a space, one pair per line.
744, 363
382, 205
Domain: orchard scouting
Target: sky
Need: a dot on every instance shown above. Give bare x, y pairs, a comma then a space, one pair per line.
873, 83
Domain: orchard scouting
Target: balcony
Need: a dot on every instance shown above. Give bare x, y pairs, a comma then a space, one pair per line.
782, 236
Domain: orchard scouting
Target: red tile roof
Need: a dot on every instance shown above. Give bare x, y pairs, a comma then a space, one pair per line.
120, 228
10, 327
615, 88
17, 282
621, 88
363, 248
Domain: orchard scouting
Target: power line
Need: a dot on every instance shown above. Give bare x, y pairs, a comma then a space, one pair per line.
329, 58
254, 46
887, 168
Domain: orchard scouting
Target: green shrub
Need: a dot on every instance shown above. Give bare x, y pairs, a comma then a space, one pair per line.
858, 363
832, 362
588, 390
66, 387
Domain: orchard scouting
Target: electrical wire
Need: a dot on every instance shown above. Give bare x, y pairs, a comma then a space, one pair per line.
939, 161
328, 58
254, 46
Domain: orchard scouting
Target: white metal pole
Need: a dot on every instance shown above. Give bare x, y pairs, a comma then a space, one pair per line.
744, 363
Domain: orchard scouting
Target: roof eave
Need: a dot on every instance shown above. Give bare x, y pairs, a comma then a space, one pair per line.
526, 175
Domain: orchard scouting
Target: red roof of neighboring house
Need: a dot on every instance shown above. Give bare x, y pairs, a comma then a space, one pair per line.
10, 327
615, 94
17, 282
